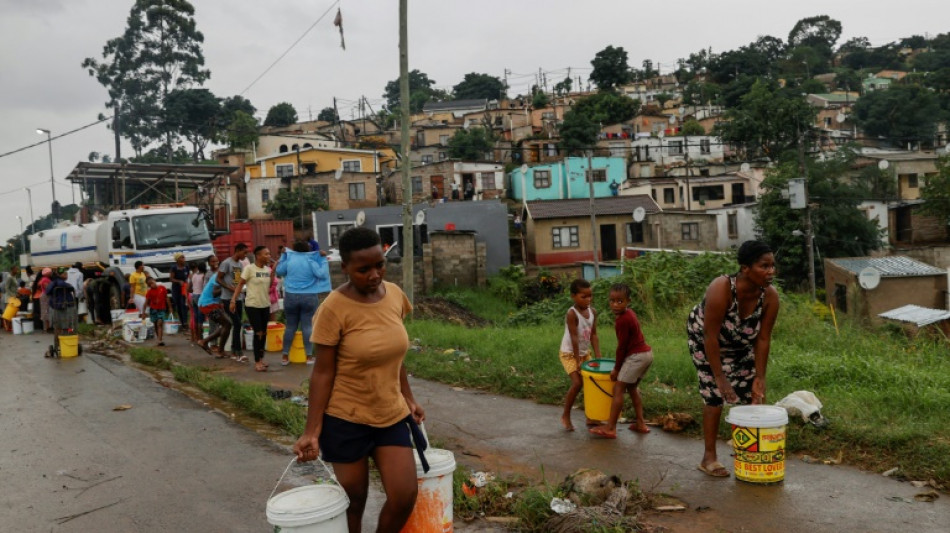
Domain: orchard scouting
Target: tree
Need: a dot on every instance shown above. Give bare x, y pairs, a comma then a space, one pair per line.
840, 228
471, 144
160, 51
229, 108
563, 87
700, 93
578, 132
476, 85
280, 115
902, 113
820, 33
848, 80
421, 90
329, 114
286, 204
692, 127
608, 107
539, 100
663, 98
768, 121
194, 114
936, 193
610, 68
242, 131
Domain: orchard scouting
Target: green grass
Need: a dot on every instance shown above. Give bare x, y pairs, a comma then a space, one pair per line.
888, 397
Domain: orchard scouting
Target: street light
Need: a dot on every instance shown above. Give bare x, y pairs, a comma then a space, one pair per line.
29, 200
22, 235
49, 142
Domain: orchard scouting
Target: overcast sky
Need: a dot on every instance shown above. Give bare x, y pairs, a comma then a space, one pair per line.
43, 43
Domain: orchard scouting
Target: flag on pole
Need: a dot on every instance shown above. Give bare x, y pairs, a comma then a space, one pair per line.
338, 21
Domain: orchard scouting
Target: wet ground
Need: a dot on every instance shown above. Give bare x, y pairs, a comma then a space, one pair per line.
507, 436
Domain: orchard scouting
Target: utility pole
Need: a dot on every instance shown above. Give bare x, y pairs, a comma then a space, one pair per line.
300, 189
115, 131
809, 237
593, 217
29, 200
408, 256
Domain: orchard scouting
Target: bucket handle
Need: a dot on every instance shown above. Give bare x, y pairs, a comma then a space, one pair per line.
330, 472
594, 381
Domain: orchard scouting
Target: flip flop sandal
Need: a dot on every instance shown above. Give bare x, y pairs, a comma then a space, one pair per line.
601, 432
714, 469
242, 359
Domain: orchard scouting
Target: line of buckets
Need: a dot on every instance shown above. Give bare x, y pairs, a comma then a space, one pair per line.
758, 431
322, 508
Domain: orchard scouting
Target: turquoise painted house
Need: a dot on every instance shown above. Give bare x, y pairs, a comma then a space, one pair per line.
565, 179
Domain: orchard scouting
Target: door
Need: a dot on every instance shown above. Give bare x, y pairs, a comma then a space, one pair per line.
608, 242
438, 184
738, 193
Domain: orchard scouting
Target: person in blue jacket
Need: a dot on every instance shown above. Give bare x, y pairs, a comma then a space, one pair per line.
305, 276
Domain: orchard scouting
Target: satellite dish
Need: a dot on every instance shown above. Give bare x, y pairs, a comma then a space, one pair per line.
247, 176
524, 169
661, 134
744, 167
360, 218
682, 110
869, 278
840, 117
338, 174
672, 119
883, 164
639, 214
420, 217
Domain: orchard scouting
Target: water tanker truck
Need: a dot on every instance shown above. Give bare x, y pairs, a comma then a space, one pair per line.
152, 234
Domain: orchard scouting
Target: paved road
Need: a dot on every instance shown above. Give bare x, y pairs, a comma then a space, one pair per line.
166, 464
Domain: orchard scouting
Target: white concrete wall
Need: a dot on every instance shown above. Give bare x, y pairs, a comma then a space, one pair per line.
255, 207
745, 221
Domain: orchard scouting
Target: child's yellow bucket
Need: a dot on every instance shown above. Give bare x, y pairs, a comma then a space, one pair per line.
275, 337
598, 389
297, 353
68, 346
758, 438
13, 306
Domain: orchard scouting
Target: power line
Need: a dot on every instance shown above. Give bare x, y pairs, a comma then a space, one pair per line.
334, 4
70, 132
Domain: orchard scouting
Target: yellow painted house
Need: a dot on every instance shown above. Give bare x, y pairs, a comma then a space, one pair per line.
319, 159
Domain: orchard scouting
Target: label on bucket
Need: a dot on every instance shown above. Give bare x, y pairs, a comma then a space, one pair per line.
760, 453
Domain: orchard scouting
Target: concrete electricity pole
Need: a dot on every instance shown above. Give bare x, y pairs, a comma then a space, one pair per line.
406, 245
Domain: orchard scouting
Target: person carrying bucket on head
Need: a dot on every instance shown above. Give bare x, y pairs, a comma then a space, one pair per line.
580, 336
634, 357
729, 335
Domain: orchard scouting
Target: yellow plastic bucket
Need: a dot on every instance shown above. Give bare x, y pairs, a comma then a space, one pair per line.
68, 346
13, 306
758, 438
598, 389
297, 353
275, 337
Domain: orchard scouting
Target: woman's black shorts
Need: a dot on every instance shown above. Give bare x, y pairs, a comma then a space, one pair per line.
342, 441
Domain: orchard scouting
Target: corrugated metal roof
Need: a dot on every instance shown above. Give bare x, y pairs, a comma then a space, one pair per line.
921, 316
894, 266
580, 207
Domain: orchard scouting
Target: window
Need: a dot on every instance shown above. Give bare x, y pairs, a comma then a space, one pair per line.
295, 147
417, 185
710, 192
444, 140
550, 149
598, 174
912, 181
498, 120
310, 168
547, 115
353, 165
426, 159
676, 147
265, 195
827, 122
690, 231
282, 149
443, 156
335, 229
322, 192
732, 225
564, 237
357, 191
488, 180
705, 146
669, 195
841, 297
542, 179
284, 171
634, 232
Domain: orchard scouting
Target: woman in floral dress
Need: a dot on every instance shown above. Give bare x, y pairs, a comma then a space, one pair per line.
729, 334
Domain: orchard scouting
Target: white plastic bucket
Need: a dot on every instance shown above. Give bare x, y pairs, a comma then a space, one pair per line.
134, 331
27, 325
171, 327
18, 325
433, 510
249, 338
758, 438
310, 509
116, 314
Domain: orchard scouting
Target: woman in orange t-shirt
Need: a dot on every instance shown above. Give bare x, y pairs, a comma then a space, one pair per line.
361, 404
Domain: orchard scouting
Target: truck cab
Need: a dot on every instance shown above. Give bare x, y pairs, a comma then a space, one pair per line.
154, 234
